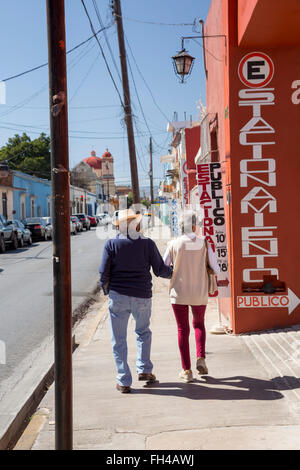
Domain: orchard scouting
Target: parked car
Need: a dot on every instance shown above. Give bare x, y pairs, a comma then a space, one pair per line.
48, 221
73, 228
114, 220
9, 234
93, 220
79, 225
23, 234
38, 227
84, 220
2, 240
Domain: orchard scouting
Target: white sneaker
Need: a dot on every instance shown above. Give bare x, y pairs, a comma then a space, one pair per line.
201, 366
186, 376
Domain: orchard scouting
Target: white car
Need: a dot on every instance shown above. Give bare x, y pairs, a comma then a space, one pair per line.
73, 227
104, 219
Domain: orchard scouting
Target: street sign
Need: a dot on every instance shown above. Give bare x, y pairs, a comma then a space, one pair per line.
209, 181
256, 70
290, 301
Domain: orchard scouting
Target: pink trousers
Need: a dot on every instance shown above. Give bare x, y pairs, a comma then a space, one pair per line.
182, 318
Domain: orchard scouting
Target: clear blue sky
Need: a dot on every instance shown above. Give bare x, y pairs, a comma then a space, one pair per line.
95, 113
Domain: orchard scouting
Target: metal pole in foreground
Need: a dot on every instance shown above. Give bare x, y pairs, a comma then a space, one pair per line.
61, 224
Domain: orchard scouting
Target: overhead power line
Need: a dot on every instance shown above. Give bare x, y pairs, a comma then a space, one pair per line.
144, 80
102, 52
33, 69
73, 63
158, 23
106, 39
138, 98
87, 74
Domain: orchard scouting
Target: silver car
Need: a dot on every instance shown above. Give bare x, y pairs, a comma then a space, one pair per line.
23, 234
79, 225
48, 221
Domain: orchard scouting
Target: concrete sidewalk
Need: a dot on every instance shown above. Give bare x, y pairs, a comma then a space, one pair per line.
244, 402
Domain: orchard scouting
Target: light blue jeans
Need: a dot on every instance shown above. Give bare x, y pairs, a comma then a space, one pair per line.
120, 308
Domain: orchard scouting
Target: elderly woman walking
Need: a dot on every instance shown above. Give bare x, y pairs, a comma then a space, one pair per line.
189, 255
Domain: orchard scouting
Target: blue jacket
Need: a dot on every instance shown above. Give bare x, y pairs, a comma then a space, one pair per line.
126, 263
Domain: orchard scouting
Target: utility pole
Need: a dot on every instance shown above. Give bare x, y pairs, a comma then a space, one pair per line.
61, 224
151, 185
127, 106
151, 172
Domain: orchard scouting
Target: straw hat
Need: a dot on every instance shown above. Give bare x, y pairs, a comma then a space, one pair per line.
127, 215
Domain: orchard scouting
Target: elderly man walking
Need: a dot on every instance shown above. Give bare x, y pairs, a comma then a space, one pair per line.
125, 276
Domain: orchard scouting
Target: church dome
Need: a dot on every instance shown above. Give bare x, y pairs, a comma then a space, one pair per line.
94, 161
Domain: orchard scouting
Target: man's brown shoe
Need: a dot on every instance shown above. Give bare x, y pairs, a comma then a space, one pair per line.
123, 388
147, 377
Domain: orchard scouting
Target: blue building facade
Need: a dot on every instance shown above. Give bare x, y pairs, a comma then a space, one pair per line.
91, 203
32, 196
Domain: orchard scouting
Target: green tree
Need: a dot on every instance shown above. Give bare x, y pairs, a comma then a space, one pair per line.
29, 156
145, 202
129, 200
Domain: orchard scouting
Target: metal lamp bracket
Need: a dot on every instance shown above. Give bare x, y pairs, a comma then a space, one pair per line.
203, 36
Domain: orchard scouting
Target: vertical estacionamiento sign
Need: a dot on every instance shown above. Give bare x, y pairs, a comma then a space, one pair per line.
209, 181
262, 150
258, 171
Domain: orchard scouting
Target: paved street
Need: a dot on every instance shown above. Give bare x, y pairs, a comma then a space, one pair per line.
26, 287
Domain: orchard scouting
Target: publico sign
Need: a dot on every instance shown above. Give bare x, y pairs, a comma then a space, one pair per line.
209, 181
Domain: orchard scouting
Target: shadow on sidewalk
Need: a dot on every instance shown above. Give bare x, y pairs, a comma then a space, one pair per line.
253, 389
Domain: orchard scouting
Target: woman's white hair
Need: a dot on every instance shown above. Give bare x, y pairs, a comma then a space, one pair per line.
188, 219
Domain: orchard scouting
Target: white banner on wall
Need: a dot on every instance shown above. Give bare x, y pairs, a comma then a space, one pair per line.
184, 182
174, 214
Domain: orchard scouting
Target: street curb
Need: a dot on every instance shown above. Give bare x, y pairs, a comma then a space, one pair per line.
39, 418
19, 422
94, 324
28, 438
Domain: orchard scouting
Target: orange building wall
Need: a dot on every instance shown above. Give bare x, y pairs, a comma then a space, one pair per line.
245, 12
231, 17
268, 23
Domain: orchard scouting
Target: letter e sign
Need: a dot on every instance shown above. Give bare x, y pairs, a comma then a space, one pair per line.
256, 70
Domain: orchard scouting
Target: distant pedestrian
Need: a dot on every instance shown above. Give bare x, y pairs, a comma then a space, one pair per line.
125, 276
188, 255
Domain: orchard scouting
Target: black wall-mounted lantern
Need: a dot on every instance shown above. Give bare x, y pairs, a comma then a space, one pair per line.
183, 64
